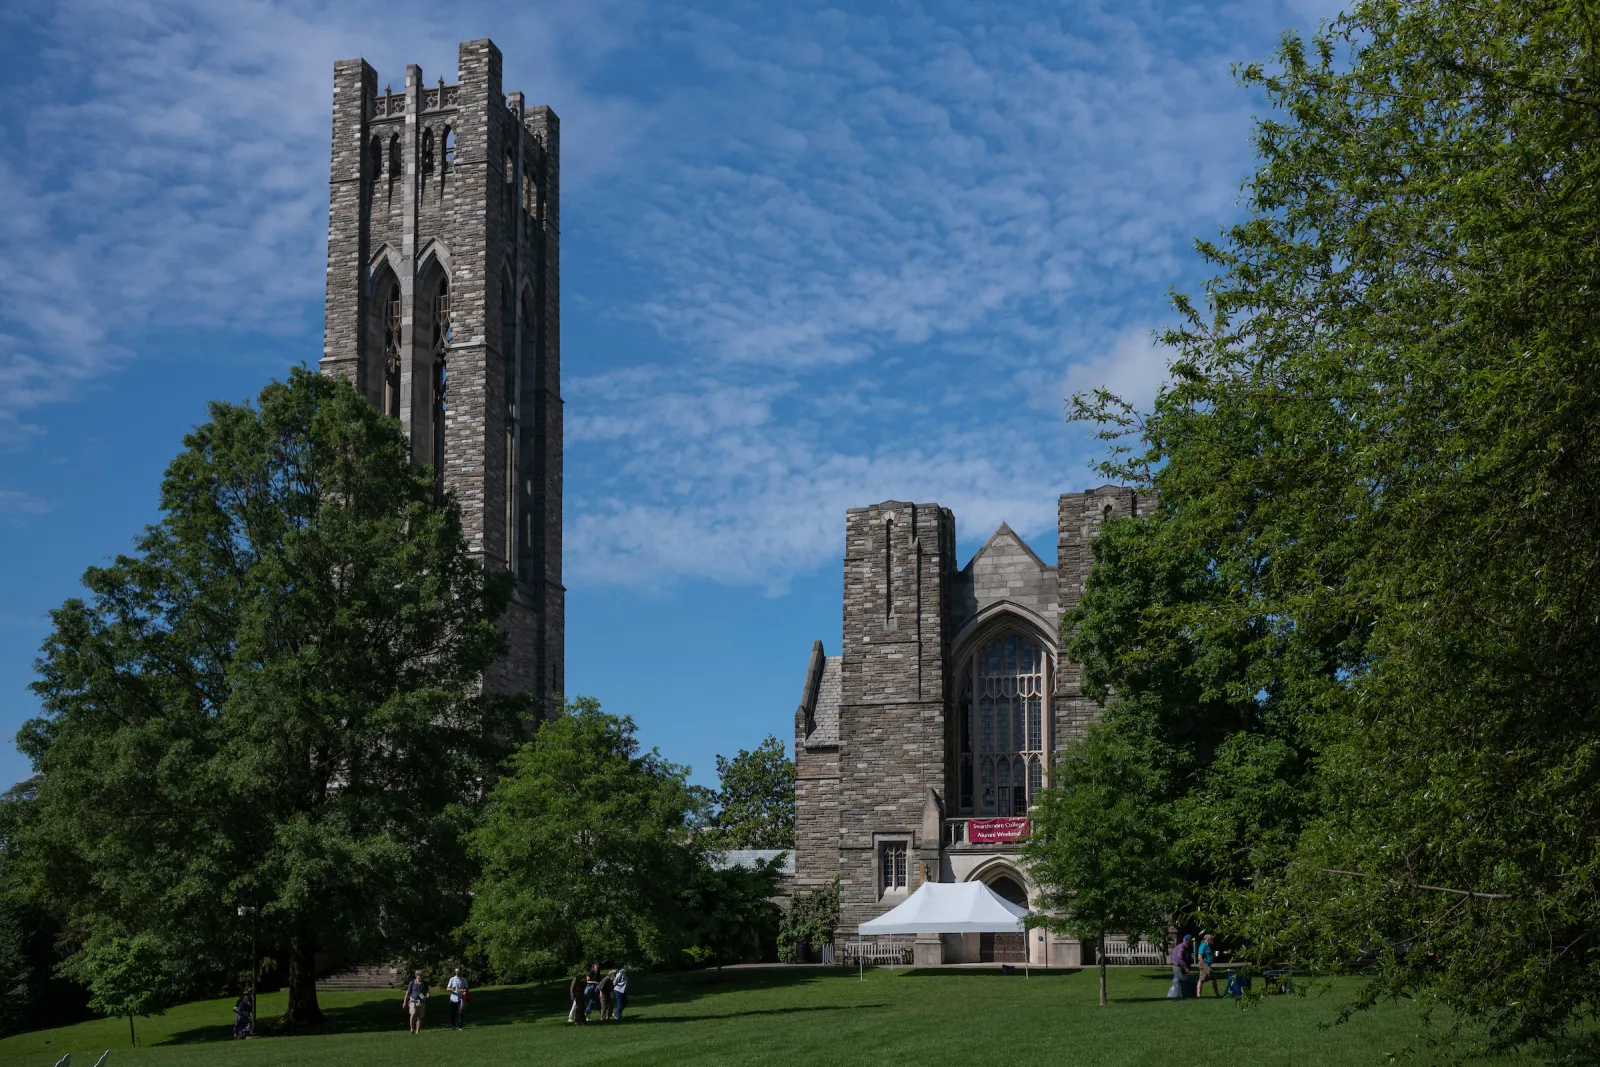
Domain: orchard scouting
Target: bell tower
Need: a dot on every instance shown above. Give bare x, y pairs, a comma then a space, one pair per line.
443, 307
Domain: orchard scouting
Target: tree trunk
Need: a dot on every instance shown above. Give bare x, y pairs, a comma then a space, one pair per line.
303, 1013
133, 1041
1102, 979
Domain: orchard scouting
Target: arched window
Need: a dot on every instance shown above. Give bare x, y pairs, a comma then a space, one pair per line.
426, 164
441, 390
511, 186
375, 159
395, 163
391, 352
449, 148
1006, 690
513, 383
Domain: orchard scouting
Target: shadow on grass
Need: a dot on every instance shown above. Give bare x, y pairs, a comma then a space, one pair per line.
510, 1005
991, 972
644, 1020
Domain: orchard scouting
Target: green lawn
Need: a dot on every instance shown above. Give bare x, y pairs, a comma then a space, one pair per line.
789, 1016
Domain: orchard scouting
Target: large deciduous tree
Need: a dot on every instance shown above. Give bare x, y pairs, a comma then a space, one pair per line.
272, 704
755, 798
1100, 845
1380, 447
589, 848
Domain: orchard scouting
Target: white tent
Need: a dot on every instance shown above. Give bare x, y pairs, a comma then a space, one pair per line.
950, 908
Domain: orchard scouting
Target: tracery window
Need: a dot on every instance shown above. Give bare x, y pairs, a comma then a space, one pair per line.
1002, 735
391, 352
441, 383
892, 866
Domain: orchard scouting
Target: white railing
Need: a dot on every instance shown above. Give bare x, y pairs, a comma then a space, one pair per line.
890, 952
1118, 951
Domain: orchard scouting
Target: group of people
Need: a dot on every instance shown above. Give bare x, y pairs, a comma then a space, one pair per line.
594, 991
1203, 955
415, 1000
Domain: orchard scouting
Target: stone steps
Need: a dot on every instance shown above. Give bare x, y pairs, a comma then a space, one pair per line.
387, 977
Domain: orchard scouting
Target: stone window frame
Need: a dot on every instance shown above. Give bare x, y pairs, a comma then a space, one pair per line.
979, 756
885, 846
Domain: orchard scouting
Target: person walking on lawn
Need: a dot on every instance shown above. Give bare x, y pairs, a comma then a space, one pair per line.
607, 1005
458, 1001
577, 1015
416, 1001
1207, 957
619, 993
1180, 967
591, 988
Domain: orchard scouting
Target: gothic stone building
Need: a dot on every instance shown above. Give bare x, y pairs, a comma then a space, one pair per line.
443, 307
919, 748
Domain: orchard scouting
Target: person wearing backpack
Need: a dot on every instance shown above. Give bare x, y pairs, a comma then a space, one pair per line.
416, 1001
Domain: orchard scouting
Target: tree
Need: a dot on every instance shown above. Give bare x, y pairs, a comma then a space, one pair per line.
735, 909
810, 919
1379, 441
32, 994
126, 976
589, 848
273, 703
755, 801
1099, 845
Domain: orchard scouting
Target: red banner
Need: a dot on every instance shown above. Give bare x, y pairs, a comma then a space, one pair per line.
996, 831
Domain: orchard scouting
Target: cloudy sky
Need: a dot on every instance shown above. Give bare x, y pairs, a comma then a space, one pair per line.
814, 257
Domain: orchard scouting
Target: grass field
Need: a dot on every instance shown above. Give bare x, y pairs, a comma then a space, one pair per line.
785, 1016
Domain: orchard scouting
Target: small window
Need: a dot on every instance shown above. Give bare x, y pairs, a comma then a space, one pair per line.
894, 866
395, 164
449, 147
375, 159
426, 166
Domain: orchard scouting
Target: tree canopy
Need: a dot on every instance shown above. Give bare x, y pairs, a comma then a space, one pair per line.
1100, 844
272, 703
755, 798
1369, 599
589, 850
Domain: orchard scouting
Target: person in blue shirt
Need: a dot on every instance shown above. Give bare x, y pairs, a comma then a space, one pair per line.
1207, 956
415, 1001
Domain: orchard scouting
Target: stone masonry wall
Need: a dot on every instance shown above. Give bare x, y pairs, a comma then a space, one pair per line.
897, 566
1079, 517
402, 213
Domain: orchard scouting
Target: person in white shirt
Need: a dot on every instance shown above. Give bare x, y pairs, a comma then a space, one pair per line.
458, 1000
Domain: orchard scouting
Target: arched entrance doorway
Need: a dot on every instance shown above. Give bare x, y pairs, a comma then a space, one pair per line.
1005, 948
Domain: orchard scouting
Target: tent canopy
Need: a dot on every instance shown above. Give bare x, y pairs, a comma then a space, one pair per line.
950, 908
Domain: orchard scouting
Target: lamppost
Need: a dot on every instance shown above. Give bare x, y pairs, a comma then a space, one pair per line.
245, 909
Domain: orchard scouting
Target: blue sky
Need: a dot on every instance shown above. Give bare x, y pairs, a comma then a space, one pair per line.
813, 257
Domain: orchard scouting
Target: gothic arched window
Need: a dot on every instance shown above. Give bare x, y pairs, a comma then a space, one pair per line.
395, 162
391, 352
449, 148
441, 391
375, 159
1002, 719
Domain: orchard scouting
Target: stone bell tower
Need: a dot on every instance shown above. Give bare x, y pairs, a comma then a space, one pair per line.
443, 307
